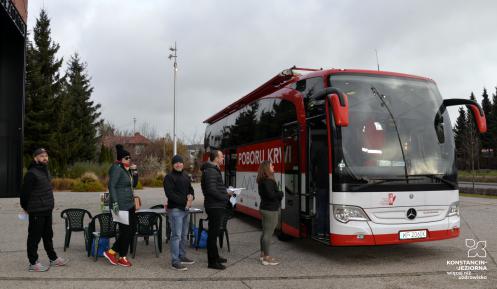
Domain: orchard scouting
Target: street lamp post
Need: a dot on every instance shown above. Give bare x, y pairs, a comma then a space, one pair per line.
175, 65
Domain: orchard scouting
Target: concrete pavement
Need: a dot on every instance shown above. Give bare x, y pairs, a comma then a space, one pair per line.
305, 264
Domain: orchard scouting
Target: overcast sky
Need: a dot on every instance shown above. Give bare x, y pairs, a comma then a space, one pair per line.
227, 48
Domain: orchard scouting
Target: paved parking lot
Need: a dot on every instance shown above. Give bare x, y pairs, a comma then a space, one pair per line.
305, 264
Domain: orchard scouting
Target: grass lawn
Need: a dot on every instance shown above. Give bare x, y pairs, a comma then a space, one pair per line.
484, 176
477, 196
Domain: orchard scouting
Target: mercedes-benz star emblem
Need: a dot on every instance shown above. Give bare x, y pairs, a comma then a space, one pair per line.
411, 214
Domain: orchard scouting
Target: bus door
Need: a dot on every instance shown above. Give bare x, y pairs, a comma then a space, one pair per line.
290, 181
317, 185
230, 167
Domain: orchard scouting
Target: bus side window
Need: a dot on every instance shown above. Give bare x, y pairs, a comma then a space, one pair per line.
312, 86
300, 85
309, 87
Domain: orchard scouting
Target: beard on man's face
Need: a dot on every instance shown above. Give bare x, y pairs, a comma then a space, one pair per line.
42, 161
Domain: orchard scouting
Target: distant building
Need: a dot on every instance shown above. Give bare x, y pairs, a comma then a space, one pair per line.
136, 143
194, 150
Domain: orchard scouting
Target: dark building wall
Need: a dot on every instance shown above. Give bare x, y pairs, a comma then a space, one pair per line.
12, 75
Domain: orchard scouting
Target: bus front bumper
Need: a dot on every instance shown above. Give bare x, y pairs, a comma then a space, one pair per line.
357, 233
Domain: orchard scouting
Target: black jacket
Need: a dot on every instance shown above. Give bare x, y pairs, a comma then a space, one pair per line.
37, 192
177, 187
270, 195
213, 188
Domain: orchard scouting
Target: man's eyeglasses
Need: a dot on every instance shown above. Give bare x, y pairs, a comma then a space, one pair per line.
127, 158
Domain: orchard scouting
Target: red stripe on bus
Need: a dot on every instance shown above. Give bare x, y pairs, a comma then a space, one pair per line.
389, 239
248, 211
350, 240
287, 229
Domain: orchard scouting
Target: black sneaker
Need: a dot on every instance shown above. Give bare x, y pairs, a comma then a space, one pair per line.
179, 267
222, 260
217, 266
186, 261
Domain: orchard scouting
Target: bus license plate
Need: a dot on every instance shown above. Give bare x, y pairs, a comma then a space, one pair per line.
406, 235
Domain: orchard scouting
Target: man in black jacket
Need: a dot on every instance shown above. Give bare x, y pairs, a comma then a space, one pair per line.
216, 200
179, 193
37, 200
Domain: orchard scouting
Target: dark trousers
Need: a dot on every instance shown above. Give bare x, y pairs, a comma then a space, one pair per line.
40, 227
126, 234
216, 216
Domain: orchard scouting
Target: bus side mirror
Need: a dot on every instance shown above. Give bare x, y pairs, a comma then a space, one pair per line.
340, 106
480, 119
474, 107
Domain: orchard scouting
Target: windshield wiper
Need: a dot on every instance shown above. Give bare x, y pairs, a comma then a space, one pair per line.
381, 97
377, 182
440, 179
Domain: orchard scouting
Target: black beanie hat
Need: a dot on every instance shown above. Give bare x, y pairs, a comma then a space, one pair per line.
177, 159
39, 151
121, 152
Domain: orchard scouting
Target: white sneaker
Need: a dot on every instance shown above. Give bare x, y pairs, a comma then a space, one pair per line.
269, 261
58, 262
38, 267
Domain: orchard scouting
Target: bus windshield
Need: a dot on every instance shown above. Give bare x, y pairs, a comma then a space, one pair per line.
393, 135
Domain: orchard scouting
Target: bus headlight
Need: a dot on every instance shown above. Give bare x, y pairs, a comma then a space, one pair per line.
453, 209
349, 213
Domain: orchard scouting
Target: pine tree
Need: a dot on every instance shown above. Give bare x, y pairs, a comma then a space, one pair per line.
460, 133
84, 113
492, 123
105, 155
487, 109
473, 143
68, 137
43, 87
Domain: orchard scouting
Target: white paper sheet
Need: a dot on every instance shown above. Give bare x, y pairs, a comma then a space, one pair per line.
121, 217
236, 192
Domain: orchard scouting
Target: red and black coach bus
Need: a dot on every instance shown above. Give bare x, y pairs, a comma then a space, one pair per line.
363, 157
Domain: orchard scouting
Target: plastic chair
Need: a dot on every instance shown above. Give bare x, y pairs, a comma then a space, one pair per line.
74, 222
168, 228
148, 224
223, 232
224, 229
106, 229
